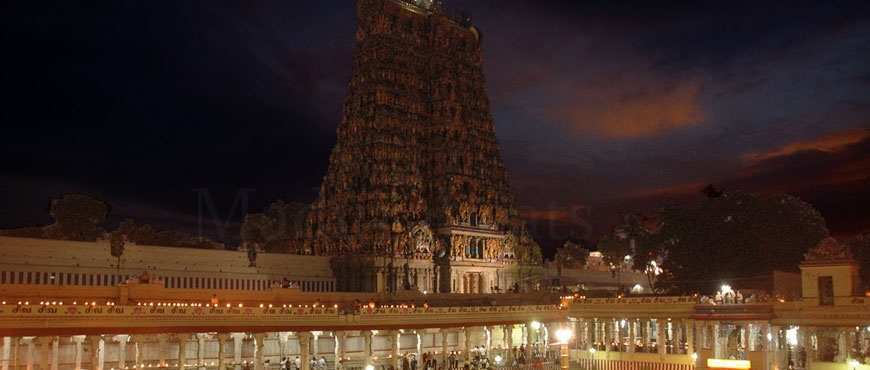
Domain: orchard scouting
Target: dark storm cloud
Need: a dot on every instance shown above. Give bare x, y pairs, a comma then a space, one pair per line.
606, 101
140, 103
600, 107
832, 173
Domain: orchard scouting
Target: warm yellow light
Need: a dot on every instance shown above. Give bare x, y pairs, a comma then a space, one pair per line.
717, 363
564, 335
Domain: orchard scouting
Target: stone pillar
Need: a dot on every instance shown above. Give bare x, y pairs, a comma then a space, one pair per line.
808, 344
222, 339
44, 352
717, 348
690, 330
660, 337
367, 347
644, 335
238, 339
509, 344
468, 334
488, 342
526, 336
282, 343
14, 345
608, 328
258, 350
774, 346
444, 334
314, 348
592, 331
630, 326
182, 353
77, 361
395, 337
30, 345
6, 353
340, 348
200, 350
847, 342
122, 351
161, 350
765, 349
419, 356
55, 353
745, 338
138, 346
95, 352
546, 340
530, 338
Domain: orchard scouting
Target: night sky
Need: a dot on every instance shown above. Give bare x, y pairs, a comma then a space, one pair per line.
169, 110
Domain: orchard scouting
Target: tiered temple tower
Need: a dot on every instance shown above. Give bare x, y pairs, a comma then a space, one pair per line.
416, 172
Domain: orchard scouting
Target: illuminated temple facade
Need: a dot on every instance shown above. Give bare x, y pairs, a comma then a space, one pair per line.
416, 193
47, 324
415, 197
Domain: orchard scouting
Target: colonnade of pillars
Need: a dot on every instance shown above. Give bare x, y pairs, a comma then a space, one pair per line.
766, 346
781, 347
663, 336
256, 351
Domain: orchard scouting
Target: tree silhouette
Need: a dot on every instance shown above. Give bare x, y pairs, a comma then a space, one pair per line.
77, 217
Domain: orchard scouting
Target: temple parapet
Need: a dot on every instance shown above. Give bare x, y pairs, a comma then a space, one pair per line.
53, 318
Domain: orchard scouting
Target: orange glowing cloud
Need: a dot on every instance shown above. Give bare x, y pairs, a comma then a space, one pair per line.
671, 191
850, 172
627, 113
830, 143
546, 214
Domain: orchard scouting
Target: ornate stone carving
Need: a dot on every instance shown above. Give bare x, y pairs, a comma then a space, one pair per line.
416, 142
421, 236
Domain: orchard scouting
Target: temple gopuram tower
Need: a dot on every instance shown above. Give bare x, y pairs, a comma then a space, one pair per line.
416, 194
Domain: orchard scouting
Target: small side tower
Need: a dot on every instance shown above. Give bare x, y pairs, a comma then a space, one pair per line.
829, 272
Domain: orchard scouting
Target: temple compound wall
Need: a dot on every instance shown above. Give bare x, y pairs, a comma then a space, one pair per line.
149, 325
71, 263
183, 334
62, 262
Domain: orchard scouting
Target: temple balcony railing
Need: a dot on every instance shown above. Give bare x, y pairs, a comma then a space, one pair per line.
71, 319
635, 307
738, 311
131, 294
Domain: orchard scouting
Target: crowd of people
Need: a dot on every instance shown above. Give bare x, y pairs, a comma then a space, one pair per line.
538, 355
296, 364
